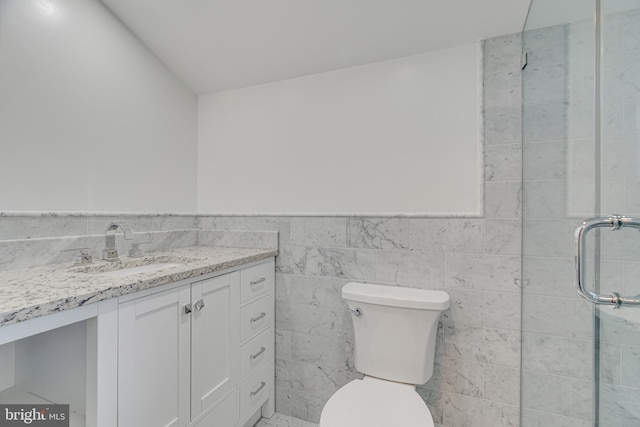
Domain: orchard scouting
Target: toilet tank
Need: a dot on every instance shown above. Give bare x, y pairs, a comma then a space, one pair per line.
395, 332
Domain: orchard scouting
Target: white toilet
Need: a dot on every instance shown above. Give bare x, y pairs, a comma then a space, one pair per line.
395, 339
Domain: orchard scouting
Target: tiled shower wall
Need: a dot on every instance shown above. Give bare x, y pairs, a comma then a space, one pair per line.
476, 260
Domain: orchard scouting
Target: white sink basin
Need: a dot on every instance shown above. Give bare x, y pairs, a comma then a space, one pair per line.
139, 269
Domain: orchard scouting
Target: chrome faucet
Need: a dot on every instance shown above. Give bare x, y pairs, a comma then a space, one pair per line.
110, 253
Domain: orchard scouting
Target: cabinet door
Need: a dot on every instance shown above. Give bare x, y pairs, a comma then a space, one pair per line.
153, 358
214, 340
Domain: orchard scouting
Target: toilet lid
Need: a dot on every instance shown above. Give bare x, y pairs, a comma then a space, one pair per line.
376, 403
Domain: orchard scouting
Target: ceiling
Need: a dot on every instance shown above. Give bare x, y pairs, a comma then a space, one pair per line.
216, 45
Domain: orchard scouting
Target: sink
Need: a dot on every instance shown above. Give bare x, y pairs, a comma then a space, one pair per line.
148, 268
132, 266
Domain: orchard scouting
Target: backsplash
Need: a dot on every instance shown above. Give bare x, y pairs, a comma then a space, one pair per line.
35, 240
30, 240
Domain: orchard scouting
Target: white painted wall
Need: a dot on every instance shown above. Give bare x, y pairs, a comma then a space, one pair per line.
89, 119
398, 136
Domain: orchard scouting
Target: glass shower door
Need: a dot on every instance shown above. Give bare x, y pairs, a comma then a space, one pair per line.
618, 400
581, 160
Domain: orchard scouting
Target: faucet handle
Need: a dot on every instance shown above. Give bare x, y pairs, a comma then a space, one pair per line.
82, 257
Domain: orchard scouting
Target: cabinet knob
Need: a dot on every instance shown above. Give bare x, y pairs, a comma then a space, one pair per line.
187, 309
199, 304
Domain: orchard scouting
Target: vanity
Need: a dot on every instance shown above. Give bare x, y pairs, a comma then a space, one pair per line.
183, 338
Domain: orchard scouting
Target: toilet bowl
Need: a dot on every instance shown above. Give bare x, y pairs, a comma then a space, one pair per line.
374, 402
395, 332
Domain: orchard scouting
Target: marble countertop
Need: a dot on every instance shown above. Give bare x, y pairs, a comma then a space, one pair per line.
29, 293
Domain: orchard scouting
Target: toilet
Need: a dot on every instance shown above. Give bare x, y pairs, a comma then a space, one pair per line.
395, 338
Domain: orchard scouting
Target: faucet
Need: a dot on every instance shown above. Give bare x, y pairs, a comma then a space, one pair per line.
110, 253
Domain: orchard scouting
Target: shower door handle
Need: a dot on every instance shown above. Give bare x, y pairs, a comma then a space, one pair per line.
614, 222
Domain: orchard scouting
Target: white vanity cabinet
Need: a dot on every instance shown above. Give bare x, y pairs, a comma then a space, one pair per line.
214, 340
179, 352
153, 360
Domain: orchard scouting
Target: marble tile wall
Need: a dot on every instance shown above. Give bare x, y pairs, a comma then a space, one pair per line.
559, 109
559, 192
476, 380
549, 344
238, 239
476, 260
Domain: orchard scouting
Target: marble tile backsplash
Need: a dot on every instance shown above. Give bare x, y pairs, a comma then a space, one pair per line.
25, 253
35, 240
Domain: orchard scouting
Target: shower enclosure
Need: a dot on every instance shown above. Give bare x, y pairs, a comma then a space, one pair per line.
581, 160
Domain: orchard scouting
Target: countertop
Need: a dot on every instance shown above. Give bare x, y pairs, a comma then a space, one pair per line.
29, 293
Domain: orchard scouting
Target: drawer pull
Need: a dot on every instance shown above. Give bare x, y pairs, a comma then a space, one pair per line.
262, 384
255, 356
255, 319
256, 282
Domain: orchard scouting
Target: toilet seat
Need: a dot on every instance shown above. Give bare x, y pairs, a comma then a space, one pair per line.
372, 402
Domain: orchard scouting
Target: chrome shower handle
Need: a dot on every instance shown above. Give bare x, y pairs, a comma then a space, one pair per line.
615, 222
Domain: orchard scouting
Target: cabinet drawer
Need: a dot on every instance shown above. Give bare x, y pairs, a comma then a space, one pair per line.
256, 280
255, 353
256, 317
255, 391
